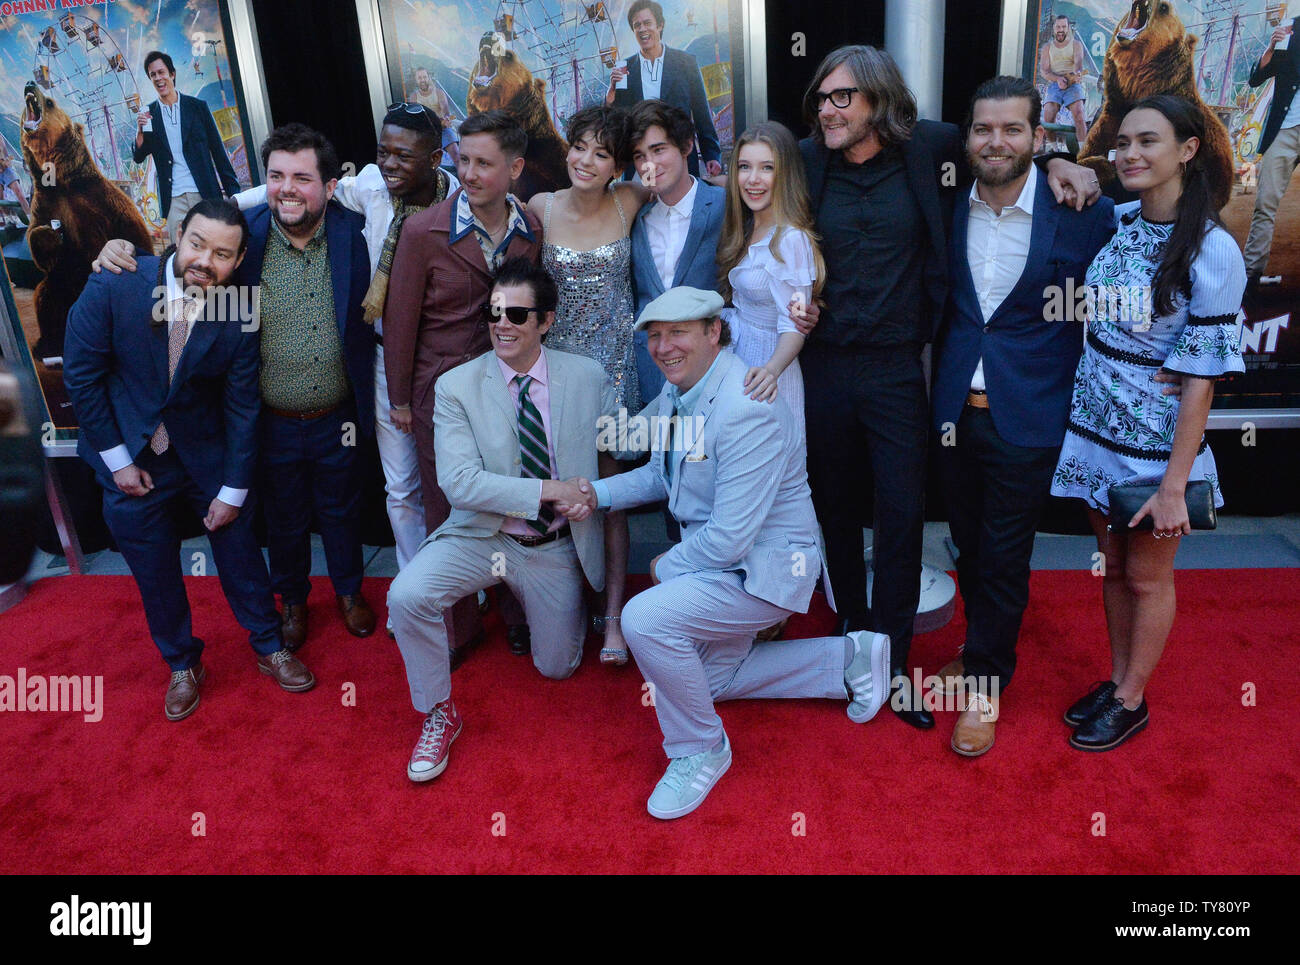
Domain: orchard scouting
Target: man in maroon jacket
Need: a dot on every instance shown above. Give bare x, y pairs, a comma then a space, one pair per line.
438, 291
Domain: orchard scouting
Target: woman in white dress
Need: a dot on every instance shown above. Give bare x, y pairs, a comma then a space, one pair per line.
768, 259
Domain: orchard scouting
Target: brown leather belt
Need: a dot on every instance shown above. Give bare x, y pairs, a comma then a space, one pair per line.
540, 540
977, 400
302, 416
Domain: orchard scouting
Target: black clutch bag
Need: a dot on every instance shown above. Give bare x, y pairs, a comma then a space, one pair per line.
1127, 498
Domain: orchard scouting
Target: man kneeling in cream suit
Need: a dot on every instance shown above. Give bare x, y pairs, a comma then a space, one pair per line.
509, 425
733, 474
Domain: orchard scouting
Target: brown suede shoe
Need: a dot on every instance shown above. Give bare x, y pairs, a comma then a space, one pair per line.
950, 676
293, 626
357, 615
973, 734
183, 692
289, 672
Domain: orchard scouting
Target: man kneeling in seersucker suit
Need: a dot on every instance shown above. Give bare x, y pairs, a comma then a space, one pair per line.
733, 474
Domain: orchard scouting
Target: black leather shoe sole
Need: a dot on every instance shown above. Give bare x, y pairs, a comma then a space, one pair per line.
521, 641
458, 654
1117, 736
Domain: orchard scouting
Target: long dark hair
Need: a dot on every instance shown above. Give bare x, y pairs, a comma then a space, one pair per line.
1195, 205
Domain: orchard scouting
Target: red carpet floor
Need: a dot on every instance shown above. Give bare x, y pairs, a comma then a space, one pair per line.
305, 783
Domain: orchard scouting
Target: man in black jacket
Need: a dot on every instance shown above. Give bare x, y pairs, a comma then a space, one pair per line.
882, 186
185, 144
1279, 147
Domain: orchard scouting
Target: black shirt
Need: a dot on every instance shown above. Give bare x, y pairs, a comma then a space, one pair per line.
873, 237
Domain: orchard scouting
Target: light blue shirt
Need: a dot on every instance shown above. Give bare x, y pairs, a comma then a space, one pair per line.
182, 179
683, 405
1292, 118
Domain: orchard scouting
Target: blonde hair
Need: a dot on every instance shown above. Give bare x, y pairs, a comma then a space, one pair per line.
790, 207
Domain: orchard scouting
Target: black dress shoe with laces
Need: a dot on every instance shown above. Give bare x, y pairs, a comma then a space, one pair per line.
1089, 704
906, 703
521, 641
458, 654
1110, 726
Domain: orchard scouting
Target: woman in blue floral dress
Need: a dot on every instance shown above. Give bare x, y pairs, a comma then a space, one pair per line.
1165, 293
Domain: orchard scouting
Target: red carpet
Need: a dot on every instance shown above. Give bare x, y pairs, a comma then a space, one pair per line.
303, 783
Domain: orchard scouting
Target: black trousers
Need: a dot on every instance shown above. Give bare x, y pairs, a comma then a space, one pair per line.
996, 492
868, 416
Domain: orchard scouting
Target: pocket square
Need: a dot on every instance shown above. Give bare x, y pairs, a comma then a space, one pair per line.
696, 456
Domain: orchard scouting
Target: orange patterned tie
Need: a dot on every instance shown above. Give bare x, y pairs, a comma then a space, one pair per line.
186, 311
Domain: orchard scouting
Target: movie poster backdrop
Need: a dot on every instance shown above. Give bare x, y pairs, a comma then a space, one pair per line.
1230, 36
548, 59
88, 60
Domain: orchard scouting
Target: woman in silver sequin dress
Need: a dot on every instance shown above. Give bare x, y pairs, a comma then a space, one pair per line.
586, 249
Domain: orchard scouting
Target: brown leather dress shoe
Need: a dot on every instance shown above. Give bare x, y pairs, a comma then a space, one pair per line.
973, 734
293, 626
289, 672
768, 634
950, 676
183, 692
357, 615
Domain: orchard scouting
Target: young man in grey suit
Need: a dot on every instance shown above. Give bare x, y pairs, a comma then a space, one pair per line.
732, 470
509, 425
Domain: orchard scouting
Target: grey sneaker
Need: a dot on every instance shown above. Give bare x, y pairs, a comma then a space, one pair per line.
867, 675
688, 781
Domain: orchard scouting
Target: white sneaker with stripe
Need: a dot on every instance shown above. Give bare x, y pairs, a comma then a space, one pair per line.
867, 675
687, 782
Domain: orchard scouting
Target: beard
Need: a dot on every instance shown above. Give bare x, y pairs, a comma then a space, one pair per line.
996, 177
304, 223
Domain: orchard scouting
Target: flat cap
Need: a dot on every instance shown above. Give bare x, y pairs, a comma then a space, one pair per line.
681, 304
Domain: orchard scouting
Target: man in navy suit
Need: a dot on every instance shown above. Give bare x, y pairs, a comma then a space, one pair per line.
675, 236
309, 263
165, 388
658, 72
1006, 354
185, 144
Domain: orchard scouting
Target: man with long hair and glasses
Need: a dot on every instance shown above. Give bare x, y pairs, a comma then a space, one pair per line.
882, 186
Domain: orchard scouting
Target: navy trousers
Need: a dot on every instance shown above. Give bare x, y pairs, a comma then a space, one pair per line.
310, 467
147, 534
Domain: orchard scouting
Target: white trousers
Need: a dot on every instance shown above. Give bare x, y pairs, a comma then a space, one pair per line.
547, 580
693, 638
401, 472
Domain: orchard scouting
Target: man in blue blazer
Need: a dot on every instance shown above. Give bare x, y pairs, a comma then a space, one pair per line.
178, 121
675, 236
1005, 358
164, 381
732, 470
657, 72
308, 262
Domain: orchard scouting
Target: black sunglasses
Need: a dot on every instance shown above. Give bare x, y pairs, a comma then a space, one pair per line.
412, 109
516, 314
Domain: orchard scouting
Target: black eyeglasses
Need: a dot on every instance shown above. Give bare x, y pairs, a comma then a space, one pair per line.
412, 109
516, 314
840, 97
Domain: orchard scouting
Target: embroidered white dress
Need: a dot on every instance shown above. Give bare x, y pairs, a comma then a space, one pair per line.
761, 291
1121, 426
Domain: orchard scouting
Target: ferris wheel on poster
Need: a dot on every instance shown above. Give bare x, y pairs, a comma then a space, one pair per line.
571, 44
81, 67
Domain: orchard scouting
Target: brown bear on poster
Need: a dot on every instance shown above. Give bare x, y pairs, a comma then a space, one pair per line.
70, 189
502, 81
1151, 53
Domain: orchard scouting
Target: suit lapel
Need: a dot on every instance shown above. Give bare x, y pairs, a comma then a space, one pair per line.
498, 393
700, 417
1042, 234
557, 397
919, 164
643, 258
964, 282
634, 79
694, 234
339, 242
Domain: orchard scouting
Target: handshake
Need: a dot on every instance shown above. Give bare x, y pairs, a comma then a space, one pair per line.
575, 499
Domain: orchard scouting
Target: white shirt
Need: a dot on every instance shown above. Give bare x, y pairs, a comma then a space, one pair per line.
997, 246
652, 74
365, 193
666, 227
182, 179
119, 457
1292, 118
